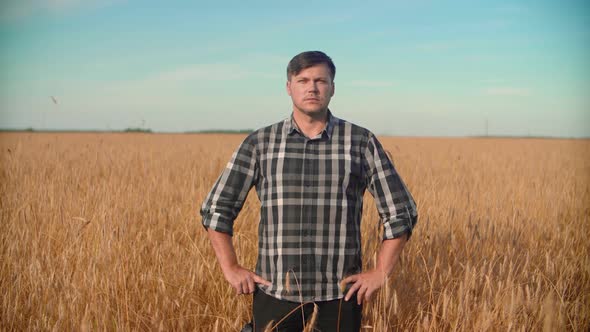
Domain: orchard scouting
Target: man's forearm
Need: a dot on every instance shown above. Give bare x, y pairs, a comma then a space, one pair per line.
224, 249
366, 283
389, 254
241, 279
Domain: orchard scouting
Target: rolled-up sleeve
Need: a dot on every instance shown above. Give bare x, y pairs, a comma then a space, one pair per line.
226, 198
396, 207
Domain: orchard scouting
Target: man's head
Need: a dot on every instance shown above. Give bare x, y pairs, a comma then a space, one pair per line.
310, 82
308, 59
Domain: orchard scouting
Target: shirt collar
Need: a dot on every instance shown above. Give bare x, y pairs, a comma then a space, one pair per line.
291, 125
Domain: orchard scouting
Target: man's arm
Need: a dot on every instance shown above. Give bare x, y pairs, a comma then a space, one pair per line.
221, 207
398, 214
241, 279
366, 283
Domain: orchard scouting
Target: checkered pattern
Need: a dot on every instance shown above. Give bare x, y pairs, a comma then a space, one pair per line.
311, 193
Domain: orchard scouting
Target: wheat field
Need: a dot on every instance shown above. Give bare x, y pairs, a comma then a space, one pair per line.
102, 232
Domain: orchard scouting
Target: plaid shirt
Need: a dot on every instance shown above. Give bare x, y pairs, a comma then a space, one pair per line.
311, 193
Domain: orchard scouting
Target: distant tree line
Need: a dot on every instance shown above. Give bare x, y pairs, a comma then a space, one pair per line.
137, 130
220, 131
127, 130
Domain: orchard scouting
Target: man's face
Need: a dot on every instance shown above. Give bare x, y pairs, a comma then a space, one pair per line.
311, 89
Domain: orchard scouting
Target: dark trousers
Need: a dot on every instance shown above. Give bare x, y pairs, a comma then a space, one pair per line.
267, 308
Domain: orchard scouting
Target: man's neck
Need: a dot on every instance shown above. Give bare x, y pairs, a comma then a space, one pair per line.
310, 124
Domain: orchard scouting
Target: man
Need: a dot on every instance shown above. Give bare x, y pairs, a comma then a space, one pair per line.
310, 172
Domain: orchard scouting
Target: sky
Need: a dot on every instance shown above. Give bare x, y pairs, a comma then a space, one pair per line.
404, 68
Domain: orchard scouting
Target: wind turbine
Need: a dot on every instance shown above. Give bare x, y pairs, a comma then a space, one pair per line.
55, 102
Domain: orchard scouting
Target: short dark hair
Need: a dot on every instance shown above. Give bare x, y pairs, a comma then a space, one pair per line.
308, 59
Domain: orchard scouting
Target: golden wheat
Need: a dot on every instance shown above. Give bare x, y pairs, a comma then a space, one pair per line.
101, 232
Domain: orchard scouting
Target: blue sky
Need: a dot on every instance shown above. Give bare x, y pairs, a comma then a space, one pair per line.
420, 68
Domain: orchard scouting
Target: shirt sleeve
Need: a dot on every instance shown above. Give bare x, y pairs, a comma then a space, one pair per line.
396, 207
226, 198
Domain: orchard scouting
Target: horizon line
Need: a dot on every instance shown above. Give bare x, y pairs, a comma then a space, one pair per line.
246, 131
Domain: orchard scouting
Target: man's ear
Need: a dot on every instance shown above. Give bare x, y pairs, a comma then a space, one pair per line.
289, 87
333, 89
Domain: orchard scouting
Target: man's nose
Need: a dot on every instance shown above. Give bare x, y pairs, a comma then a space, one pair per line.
313, 87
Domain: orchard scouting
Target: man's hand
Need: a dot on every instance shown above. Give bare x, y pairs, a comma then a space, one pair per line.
364, 284
243, 280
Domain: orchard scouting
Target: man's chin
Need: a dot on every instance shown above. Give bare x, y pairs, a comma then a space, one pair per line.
314, 111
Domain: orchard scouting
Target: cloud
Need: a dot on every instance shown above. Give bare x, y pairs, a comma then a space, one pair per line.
216, 72
204, 72
161, 87
436, 46
507, 91
269, 58
11, 10
512, 8
492, 81
370, 83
